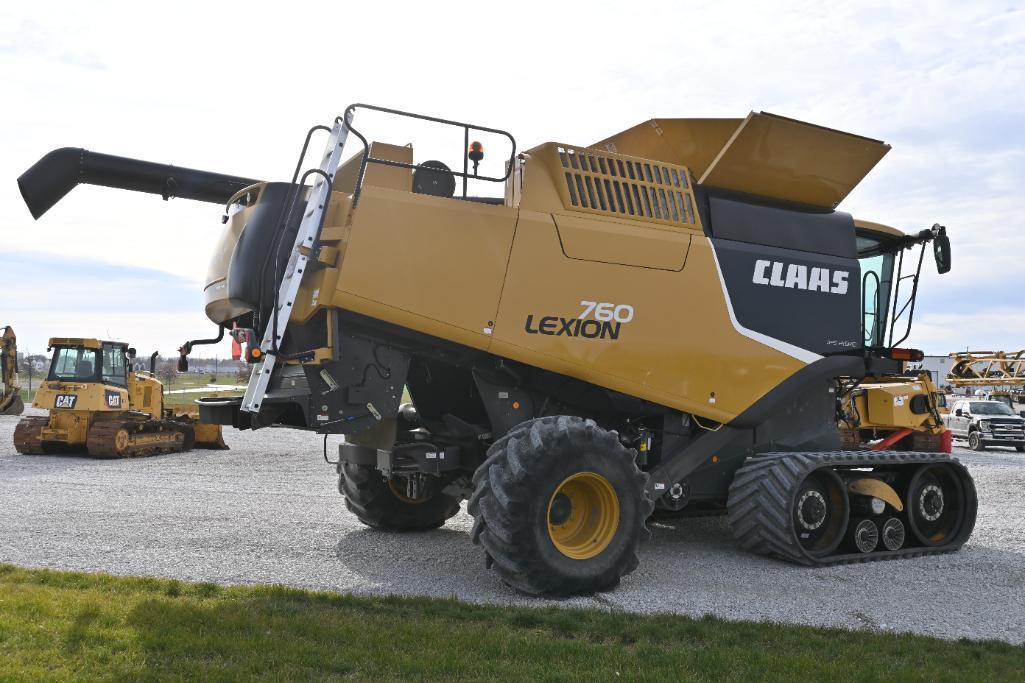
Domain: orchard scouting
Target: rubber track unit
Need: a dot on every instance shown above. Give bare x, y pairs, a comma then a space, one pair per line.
761, 499
102, 438
501, 481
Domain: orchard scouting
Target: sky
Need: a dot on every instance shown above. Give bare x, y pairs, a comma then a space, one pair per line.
233, 88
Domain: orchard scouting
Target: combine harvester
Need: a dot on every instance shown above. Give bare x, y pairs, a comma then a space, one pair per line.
662, 319
97, 404
10, 390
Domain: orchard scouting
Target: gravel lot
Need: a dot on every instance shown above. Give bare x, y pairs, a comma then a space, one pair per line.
268, 511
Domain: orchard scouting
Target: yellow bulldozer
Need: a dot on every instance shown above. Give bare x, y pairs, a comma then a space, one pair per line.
96, 402
10, 391
661, 319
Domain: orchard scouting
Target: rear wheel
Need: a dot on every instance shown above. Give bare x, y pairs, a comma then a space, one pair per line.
975, 442
384, 504
560, 507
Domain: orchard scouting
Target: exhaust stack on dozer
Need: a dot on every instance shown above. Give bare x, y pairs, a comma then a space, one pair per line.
57, 173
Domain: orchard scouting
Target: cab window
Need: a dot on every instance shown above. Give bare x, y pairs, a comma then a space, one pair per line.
114, 365
876, 277
73, 364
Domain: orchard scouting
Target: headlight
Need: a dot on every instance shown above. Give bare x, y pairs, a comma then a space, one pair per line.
984, 425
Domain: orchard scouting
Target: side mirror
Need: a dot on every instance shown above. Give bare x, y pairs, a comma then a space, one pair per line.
941, 249
958, 413
131, 353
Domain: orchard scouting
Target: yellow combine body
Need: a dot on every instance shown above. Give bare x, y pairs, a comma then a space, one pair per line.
97, 404
660, 320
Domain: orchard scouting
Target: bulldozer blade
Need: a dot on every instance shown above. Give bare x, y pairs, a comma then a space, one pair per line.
13, 406
209, 436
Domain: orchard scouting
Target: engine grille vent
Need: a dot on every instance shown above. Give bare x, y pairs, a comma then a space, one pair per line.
612, 184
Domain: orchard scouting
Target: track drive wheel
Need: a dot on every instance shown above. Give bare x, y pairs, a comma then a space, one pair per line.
975, 442
383, 504
559, 507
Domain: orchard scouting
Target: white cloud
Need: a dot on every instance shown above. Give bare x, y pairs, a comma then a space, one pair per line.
233, 89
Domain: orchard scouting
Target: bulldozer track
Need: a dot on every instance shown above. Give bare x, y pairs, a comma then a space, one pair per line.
26, 436
764, 489
137, 438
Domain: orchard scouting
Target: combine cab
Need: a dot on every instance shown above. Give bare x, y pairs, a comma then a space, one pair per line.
95, 403
659, 320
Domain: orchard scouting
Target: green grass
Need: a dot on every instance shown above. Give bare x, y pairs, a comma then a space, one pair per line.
57, 625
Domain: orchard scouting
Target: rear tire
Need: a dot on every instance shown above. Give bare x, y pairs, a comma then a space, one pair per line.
559, 507
379, 505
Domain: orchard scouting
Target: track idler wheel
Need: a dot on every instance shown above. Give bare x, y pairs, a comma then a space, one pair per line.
936, 506
820, 512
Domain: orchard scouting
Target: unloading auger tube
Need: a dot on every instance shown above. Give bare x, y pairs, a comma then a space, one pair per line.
58, 172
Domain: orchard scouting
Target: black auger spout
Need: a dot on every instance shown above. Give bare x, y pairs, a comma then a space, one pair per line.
57, 173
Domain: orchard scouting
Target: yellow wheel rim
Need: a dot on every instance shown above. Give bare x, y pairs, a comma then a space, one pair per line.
583, 515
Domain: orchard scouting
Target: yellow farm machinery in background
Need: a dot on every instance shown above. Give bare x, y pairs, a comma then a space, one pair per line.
1000, 375
98, 404
10, 390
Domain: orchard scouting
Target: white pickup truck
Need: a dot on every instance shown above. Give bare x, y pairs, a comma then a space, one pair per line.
986, 423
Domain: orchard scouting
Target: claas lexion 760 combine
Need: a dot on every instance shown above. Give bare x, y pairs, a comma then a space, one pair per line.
661, 321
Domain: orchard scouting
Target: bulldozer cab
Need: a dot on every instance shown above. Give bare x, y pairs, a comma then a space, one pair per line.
89, 361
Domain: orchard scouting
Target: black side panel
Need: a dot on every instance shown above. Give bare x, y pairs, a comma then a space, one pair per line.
250, 273
810, 300
829, 233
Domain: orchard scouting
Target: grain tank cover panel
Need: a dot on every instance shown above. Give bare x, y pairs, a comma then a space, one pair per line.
693, 143
779, 158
